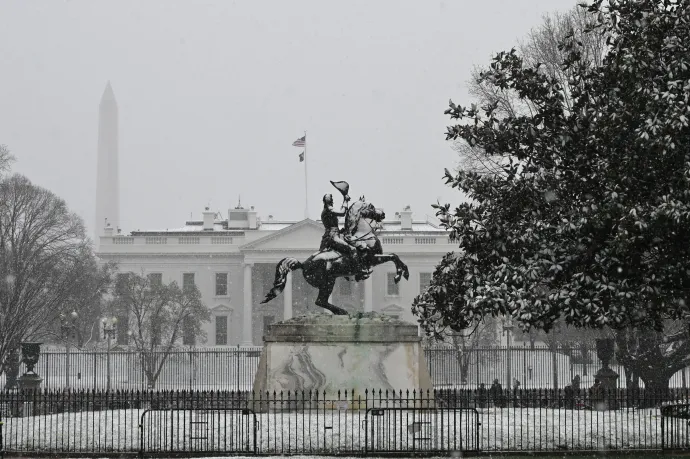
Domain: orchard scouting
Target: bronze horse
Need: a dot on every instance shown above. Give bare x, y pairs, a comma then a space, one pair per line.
322, 268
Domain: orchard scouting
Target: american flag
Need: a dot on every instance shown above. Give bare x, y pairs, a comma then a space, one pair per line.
301, 142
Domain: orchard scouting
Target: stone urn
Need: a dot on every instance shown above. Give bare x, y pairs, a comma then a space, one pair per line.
605, 396
30, 380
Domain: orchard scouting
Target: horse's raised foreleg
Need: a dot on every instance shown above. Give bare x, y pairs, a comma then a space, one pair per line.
325, 290
400, 267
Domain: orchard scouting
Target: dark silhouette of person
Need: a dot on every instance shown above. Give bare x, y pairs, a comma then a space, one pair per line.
496, 394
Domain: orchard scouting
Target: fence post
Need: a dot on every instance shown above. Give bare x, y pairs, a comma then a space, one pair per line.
67, 365
554, 363
237, 368
94, 370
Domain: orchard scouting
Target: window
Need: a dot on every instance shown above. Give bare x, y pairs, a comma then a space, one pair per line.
156, 279
188, 335
392, 289
345, 287
424, 281
221, 330
122, 330
221, 284
188, 281
268, 320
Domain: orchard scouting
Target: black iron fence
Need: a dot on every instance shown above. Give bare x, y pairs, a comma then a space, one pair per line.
373, 422
234, 368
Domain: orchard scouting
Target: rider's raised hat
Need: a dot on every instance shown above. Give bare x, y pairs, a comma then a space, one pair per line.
343, 187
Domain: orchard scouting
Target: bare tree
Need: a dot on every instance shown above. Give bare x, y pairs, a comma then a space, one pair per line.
86, 300
157, 317
467, 344
6, 159
540, 47
42, 250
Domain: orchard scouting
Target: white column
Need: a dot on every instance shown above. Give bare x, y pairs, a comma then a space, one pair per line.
368, 295
287, 298
247, 312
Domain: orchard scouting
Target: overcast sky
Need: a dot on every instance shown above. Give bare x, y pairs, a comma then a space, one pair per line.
212, 94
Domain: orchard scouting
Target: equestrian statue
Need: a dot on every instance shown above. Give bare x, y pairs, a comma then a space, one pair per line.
348, 252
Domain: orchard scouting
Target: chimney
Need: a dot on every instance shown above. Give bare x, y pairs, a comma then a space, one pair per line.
406, 219
209, 218
251, 218
108, 231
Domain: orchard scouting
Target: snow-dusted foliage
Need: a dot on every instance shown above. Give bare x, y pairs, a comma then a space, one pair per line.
587, 218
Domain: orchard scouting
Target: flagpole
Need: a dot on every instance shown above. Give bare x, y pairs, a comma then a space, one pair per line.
306, 190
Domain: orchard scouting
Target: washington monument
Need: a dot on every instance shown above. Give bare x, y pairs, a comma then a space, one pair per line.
107, 180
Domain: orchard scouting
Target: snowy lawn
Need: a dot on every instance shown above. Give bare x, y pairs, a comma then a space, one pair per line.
507, 429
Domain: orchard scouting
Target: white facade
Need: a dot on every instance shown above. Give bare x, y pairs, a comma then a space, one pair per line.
232, 262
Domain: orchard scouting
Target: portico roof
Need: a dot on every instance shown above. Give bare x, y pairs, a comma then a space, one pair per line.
303, 235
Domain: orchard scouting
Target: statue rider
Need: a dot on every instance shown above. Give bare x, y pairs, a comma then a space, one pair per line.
333, 239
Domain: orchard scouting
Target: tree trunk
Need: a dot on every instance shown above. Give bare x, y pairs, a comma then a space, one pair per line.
12, 369
655, 389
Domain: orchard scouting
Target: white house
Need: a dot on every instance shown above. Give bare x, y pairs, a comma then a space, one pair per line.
232, 262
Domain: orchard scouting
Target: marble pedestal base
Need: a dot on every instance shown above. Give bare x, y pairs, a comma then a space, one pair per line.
356, 355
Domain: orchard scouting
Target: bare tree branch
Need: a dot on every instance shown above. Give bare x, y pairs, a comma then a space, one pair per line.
156, 317
44, 258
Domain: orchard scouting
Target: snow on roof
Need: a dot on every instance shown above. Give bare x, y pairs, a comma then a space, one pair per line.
273, 225
416, 226
187, 228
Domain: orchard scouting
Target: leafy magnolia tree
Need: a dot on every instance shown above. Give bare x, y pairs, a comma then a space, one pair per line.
586, 219
640, 350
44, 257
157, 318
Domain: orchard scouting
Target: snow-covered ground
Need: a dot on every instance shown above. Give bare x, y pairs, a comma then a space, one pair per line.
508, 429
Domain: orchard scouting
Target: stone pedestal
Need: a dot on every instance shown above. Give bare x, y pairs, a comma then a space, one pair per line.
30, 382
323, 353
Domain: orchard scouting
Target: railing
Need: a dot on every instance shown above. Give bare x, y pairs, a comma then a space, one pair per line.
369, 423
221, 240
156, 240
233, 368
221, 369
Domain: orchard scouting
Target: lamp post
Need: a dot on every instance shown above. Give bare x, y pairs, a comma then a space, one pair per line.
109, 330
68, 325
